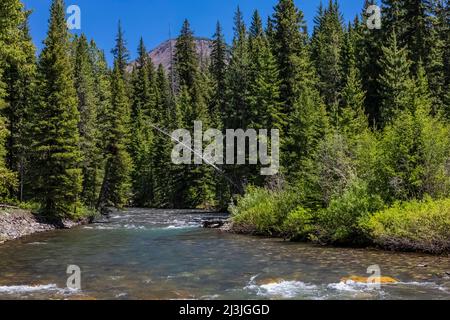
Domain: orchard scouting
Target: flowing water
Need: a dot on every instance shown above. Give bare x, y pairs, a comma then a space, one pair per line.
162, 254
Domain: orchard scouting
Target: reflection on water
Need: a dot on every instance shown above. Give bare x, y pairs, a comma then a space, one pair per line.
163, 254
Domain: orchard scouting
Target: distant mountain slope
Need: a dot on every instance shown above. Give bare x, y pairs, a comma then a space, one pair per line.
162, 54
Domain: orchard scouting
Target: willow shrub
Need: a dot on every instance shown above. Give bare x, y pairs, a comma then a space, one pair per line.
261, 211
413, 226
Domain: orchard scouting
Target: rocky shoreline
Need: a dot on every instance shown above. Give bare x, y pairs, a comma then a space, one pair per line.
17, 223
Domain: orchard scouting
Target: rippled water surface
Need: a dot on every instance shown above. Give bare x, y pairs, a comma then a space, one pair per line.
161, 254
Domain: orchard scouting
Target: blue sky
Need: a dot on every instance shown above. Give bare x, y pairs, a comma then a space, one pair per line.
152, 18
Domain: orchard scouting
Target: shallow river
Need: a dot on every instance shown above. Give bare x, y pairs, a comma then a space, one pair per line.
162, 254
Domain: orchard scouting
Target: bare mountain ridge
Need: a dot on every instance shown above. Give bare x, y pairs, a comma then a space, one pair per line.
163, 55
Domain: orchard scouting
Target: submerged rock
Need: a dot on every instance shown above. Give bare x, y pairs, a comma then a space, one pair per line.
358, 279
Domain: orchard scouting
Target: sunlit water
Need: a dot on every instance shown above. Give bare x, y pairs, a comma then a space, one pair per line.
154, 254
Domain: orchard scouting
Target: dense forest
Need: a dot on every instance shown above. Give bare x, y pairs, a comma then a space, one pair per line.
364, 116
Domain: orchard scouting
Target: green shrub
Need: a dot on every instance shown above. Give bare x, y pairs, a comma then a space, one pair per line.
339, 223
299, 225
262, 211
415, 225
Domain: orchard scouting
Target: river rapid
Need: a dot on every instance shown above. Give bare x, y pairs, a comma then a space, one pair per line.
165, 254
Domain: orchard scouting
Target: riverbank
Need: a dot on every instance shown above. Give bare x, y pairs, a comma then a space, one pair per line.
16, 223
350, 221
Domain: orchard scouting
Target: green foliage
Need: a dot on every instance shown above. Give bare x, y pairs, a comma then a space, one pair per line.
116, 186
7, 178
327, 46
415, 225
56, 153
262, 211
339, 222
299, 225
88, 100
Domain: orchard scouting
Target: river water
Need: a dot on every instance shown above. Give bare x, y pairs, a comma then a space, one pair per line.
163, 254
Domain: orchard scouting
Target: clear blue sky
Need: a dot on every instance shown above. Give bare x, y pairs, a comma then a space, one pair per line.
152, 18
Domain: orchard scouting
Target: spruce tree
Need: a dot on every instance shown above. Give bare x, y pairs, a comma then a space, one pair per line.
116, 186
238, 73
369, 49
120, 51
395, 81
352, 118
195, 183
142, 114
289, 40
58, 177
217, 70
87, 107
327, 45
264, 92
17, 55
167, 118
7, 178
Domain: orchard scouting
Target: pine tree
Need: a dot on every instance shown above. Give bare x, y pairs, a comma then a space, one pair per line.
120, 51
410, 20
116, 187
58, 179
17, 54
264, 92
327, 45
368, 48
87, 107
102, 87
395, 81
143, 109
7, 178
167, 119
352, 119
217, 70
195, 183
237, 78
289, 40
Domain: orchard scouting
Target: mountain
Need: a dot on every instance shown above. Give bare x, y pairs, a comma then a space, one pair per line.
162, 53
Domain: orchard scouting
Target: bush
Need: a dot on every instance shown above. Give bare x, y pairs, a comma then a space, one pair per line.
299, 225
263, 212
339, 223
413, 226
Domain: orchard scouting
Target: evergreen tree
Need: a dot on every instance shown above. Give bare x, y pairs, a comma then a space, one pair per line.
195, 182
238, 73
58, 179
369, 49
120, 51
116, 187
7, 178
289, 40
87, 107
395, 81
264, 92
327, 45
167, 118
143, 109
218, 69
352, 119
17, 57
102, 88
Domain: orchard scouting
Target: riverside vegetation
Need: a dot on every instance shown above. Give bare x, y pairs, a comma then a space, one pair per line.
363, 115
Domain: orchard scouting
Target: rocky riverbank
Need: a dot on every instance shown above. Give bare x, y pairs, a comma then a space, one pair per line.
18, 223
